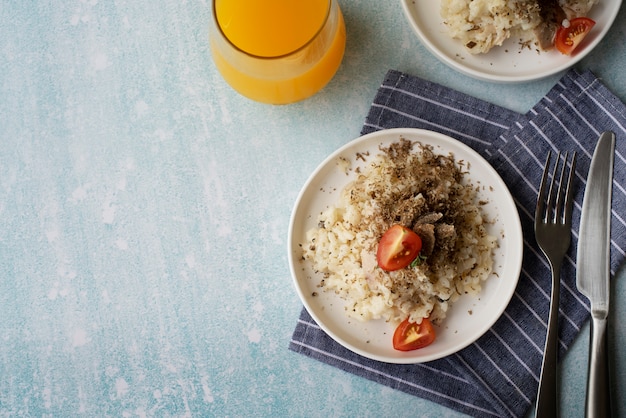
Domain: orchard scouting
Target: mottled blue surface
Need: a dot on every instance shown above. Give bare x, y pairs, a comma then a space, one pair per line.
144, 209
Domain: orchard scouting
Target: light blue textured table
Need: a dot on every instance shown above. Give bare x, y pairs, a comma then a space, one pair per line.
144, 209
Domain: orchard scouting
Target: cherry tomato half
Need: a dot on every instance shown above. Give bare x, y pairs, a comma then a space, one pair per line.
411, 336
397, 248
568, 38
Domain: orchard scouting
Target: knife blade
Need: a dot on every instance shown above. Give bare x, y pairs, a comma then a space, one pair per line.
593, 270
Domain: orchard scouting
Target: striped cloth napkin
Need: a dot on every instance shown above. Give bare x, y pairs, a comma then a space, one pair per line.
498, 375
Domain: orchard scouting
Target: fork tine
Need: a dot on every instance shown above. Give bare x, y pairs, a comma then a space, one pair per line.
541, 199
559, 209
569, 198
552, 210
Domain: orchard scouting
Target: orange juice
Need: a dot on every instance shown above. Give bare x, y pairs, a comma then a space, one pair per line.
270, 28
277, 51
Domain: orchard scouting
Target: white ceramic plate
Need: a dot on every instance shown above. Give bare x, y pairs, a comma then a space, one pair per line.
507, 63
469, 317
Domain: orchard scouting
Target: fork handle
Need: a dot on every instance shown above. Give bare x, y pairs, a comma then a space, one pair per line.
598, 403
547, 396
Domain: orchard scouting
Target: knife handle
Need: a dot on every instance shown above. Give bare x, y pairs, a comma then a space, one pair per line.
598, 403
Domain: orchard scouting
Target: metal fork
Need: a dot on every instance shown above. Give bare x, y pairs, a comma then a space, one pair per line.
553, 230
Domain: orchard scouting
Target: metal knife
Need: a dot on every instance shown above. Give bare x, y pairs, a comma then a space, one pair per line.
593, 270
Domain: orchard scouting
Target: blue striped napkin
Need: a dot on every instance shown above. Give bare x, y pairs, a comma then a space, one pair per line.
498, 375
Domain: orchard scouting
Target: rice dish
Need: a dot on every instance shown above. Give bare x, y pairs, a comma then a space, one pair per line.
482, 24
407, 184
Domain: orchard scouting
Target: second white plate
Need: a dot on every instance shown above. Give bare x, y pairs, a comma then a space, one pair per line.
507, 63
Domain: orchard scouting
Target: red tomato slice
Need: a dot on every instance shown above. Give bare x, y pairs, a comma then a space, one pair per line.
397, 248
411, 336
568, 38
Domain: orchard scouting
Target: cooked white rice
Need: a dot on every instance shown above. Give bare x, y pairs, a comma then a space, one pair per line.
343, 246
482, 24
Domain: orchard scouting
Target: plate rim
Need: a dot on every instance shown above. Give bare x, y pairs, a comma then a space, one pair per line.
445, 57
517, 250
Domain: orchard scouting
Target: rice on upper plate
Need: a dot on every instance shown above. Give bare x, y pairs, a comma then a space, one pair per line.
407, 184
482, 24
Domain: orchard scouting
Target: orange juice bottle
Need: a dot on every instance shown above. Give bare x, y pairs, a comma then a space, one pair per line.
277, 51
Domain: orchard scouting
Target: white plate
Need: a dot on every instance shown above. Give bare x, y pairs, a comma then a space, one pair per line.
506, 63
469, 317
